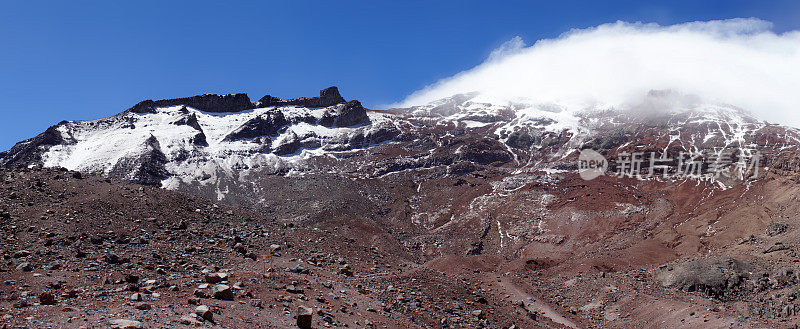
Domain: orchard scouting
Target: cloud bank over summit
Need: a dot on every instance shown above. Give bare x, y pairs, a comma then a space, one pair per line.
738, 61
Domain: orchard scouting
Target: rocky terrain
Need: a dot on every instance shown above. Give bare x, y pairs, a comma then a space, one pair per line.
467, 212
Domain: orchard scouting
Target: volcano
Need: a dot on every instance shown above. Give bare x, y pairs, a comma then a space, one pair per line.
468, 211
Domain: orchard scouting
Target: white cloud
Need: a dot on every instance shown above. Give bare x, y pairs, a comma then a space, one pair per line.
737, 61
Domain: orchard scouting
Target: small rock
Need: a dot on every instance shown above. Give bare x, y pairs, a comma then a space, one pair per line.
200, 293
125, 324
190, 319
137, 297
130, 278
216, 277
293, 289
222, 291
22, 253
776, 228
273, 248
47, 298
204, 312
112, 259
775, 247
25, 267
304, 315
240, 248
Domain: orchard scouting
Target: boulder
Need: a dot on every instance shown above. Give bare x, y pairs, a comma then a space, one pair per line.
222, 291
204, 312
267, 124
216, 277
47, 298
304, 317
191, 319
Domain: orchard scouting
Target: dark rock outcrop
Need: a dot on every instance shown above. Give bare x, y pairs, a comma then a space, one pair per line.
346, 115
485, 152
327, 97
30, 151
522, 140
189, 120
289, 145
207, 103
263, 125
147, 168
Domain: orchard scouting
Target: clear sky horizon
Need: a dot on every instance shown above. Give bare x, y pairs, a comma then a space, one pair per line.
84, 60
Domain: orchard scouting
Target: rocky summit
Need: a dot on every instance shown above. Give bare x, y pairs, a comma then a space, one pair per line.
466, 212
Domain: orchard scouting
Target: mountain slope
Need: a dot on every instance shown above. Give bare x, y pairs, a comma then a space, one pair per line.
483, 190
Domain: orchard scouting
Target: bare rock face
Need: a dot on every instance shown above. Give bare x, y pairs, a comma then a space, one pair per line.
27, 151
208, 103
264, 125
346, 115
145, 168
327, 97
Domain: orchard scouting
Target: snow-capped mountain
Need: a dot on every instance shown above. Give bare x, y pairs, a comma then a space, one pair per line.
465, 176
219, 143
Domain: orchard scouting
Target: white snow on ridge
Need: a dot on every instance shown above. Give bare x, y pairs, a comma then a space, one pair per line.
99, 145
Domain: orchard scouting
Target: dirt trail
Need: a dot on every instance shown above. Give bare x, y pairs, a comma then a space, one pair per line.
533, 305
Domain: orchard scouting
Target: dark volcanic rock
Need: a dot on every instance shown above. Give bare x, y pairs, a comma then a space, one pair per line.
189, 120
268, 100
304, 317
776, 228
349, 114
30, 151
486, 152
522, 140
289, 145
208, 103
264, 125
222, 291
147, 168
327, 97
47, 298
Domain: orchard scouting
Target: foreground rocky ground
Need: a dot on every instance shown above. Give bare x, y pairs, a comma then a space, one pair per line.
90, 252
95, 253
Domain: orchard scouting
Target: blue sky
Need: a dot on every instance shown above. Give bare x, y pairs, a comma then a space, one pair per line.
81, 60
